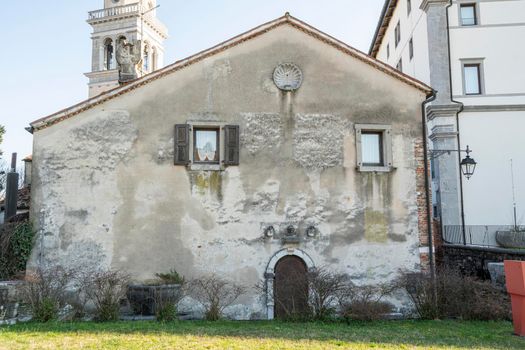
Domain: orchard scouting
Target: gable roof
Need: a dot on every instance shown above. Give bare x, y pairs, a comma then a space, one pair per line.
382, 26
287, 19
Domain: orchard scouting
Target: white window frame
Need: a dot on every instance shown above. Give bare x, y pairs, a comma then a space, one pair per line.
386, 138
481, 75
476, 13
206, 125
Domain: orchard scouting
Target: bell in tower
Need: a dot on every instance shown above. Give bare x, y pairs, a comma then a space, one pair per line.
127, 43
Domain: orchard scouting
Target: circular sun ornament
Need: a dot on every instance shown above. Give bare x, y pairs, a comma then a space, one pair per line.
288, 77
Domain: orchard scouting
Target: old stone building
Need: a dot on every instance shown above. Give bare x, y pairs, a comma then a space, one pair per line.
280, 146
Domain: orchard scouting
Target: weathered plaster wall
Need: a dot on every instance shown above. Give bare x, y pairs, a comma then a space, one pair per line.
106, 192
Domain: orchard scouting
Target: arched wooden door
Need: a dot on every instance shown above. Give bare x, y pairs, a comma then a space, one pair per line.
290, 288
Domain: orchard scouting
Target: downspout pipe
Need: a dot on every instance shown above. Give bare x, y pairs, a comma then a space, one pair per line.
457, 127
428, 197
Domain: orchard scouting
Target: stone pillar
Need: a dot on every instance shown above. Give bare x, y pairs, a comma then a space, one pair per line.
442, 113
270, 304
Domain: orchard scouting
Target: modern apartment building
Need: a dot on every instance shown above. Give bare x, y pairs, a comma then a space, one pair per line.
472, 52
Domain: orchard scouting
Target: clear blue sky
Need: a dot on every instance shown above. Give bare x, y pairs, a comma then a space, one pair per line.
47, 45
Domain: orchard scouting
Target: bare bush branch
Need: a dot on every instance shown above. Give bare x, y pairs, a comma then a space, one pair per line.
44, 292
106, 289
365, 302
214, 294
460, 296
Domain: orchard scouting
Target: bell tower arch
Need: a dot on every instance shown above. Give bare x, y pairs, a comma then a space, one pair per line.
132, 20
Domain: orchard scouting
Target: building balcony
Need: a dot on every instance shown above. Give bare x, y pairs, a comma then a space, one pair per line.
118, 11
131, 10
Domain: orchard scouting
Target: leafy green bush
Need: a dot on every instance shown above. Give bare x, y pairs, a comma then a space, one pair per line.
16, 242
45, 311
166, 312
171, 277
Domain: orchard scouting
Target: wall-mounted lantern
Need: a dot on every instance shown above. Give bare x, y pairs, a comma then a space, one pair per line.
467, 164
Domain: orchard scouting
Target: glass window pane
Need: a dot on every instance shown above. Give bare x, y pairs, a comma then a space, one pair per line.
206, 146
371, 148
471, 73
468, 15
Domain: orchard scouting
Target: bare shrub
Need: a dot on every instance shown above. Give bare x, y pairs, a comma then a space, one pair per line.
458, 296
314, 295
365, 303
214, 294
106, 289
420, 289
44, 291
325, 291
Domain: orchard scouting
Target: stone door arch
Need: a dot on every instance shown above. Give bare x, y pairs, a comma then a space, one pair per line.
271, 269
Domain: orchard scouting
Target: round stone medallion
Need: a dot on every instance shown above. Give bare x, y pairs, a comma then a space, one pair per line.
287, 77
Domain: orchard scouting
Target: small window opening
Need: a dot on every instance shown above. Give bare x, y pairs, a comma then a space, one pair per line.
397, 33
472, 76
372, 148
206, 146
109, 55
468, 15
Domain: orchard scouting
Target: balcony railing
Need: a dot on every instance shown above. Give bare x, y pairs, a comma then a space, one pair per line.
128, 10
485, 235
115, 11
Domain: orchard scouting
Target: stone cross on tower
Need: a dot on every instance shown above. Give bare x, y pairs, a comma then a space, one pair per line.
133, 22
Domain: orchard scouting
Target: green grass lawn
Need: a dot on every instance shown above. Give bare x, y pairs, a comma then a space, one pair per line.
262, 335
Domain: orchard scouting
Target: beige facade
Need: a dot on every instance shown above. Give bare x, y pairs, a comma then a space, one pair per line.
106, 192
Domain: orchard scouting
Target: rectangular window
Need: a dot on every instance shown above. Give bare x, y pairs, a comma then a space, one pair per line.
397, 33
372, 148
399, 65
472, 78
409, 7
468, 15
388, 51
206, 146
411, 48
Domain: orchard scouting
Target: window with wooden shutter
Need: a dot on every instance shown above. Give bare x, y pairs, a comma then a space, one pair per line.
182, 144
231, 145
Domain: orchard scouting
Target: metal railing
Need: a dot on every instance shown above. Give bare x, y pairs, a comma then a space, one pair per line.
115, 11
480, 235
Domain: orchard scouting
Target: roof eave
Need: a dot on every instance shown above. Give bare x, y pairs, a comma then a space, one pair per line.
286, 19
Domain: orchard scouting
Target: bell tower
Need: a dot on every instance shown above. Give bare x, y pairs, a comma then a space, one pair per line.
129, 20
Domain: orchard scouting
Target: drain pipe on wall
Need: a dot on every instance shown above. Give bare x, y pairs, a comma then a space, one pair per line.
428, 190
457, 128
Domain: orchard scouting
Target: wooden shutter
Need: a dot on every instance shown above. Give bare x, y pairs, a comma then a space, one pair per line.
182, 144
231, 145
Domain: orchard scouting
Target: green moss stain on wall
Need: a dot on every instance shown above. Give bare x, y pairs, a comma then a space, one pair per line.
207, 182
376, 228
